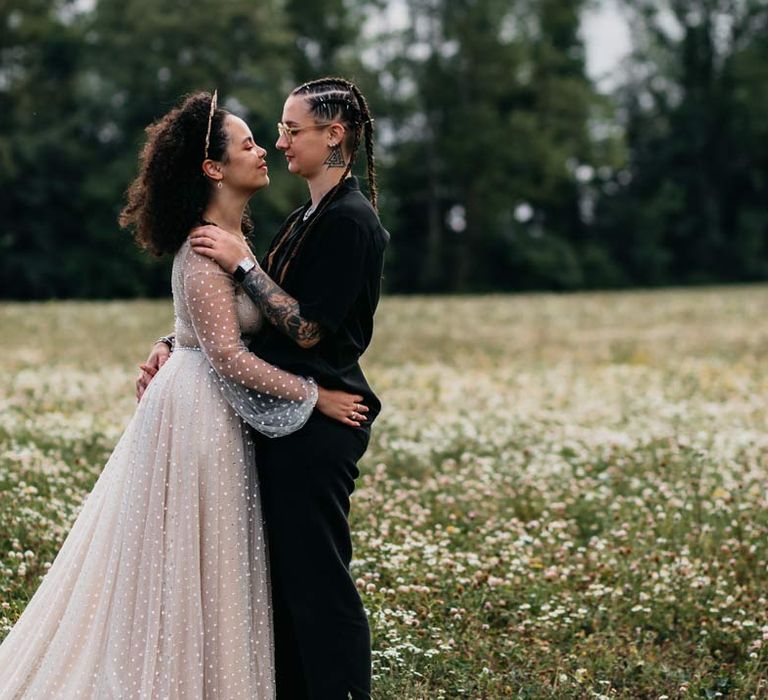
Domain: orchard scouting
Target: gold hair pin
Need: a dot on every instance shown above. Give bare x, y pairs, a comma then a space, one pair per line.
214, 101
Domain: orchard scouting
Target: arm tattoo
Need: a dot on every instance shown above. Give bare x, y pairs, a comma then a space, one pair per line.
281, 308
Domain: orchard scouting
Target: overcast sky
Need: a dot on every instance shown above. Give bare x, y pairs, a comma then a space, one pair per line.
607, 40
604, 30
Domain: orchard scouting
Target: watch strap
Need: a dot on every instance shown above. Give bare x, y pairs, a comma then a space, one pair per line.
243, 268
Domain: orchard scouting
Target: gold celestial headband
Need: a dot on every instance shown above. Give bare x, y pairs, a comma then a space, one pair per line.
214, 103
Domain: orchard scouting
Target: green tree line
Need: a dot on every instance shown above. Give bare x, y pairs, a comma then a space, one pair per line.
502, 166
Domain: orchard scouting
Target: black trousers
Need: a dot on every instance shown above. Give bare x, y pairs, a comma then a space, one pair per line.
322, 639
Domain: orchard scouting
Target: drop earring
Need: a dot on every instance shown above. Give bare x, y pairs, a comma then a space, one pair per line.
335, 158
220, 184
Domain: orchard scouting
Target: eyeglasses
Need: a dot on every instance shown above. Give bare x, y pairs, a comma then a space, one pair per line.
214, 102
290, 131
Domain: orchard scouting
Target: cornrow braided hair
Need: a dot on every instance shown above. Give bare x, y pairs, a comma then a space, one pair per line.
329, 100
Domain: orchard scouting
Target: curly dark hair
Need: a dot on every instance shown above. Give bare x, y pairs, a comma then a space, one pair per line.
170, 193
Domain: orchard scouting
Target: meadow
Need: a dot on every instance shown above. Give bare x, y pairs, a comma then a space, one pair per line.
565, 496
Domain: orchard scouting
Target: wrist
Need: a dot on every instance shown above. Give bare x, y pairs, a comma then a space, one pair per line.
243, 268
167, 340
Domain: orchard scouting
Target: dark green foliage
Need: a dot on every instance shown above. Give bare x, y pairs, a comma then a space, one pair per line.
74, 112
489, 105
501, 167
691, 206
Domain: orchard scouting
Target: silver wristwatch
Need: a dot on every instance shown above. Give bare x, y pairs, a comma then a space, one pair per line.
169, 340
243, 268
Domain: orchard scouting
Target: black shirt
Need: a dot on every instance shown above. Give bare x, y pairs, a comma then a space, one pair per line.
336, 278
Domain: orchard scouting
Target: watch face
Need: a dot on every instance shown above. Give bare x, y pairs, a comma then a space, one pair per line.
243, 268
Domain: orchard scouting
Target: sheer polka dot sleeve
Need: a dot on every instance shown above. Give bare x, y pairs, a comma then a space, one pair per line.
273, 401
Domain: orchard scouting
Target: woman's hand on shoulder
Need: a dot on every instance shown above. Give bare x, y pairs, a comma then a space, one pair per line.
223, 247
341, 406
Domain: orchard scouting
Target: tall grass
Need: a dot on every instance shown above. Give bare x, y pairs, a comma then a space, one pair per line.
565, 497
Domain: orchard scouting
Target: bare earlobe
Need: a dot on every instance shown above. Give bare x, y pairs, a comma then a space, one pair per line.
337, 133
211, 169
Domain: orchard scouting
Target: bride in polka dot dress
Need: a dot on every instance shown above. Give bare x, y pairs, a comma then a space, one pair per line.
161, 588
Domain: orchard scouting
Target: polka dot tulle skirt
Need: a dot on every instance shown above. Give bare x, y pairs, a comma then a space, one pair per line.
160, 590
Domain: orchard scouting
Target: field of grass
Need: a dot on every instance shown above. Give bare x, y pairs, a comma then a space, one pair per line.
565, 496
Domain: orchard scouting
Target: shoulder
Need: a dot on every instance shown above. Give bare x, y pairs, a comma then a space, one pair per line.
352, 215
194, 264
353, 203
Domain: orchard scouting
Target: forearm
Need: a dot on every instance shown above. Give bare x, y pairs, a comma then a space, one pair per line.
281, 309
235, 364
210, 300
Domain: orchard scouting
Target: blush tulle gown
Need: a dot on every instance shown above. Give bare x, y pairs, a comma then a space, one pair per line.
161, 588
